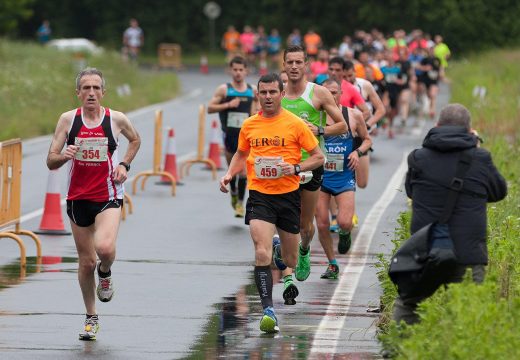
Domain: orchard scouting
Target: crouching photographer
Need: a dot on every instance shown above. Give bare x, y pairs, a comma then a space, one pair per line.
450, 180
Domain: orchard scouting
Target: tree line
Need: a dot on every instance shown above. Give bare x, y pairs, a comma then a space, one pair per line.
466, 25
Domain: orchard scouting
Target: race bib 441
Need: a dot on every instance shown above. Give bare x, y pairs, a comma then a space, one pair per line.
334, 162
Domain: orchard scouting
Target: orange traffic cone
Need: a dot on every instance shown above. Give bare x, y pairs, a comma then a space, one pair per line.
214, 147
52, 221
170, 160
204, 69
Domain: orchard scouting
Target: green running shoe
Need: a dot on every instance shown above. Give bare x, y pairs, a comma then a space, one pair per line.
303, 268
345, 240
290, 292
269, 322
90, 329
331, 273
239, 210
234, 200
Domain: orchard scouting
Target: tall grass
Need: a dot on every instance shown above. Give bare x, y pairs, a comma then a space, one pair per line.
469, 321
498, 113
37, 84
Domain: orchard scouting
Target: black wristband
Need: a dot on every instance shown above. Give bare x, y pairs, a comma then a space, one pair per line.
321, 130
127, 166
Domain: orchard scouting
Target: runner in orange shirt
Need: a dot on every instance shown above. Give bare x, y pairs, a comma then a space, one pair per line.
312, 42
230, 42
270, 145
363, 62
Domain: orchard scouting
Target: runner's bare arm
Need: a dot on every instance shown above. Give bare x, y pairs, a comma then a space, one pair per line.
235, 166
360, 129
134, 143
364, 110
329, 105
55, 158
315, 160
376, 102
214, 104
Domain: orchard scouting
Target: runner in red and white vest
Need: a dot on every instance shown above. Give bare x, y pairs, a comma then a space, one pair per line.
91, 172
95, 191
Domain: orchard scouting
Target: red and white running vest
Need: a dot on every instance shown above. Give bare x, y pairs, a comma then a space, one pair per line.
91, 171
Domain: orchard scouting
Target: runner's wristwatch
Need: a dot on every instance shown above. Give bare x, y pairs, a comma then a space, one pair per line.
127, 166
297, 169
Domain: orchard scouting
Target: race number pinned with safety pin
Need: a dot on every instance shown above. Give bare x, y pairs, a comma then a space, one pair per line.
92, 149
334, 162
266, 167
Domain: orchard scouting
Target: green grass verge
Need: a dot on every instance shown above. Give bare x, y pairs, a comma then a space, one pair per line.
469, 321
37, 84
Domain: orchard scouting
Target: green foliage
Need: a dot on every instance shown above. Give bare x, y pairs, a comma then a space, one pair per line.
468, 321
466, 25
402, 232
37, 85
12, 11
496, 70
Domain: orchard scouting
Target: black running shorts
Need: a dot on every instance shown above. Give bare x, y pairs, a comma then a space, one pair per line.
83, 212
315, 183
231, 141
282, 210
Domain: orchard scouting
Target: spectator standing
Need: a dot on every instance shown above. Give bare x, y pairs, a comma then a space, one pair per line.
44, 32
133, 40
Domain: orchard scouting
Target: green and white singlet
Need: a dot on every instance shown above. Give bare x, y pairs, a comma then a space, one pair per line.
303, 108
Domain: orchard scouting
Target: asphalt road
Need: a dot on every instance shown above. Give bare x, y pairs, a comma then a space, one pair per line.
183, 274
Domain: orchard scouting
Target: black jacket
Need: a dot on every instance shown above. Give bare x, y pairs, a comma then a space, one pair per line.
436, 162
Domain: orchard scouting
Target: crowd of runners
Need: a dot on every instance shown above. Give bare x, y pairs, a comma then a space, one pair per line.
298, 140
404, 68
345, 96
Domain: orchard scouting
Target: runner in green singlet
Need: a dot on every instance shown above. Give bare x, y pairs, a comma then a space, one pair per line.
310, 102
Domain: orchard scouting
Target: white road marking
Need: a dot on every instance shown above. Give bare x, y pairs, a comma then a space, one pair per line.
329, 330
